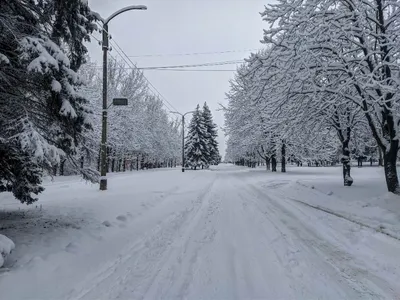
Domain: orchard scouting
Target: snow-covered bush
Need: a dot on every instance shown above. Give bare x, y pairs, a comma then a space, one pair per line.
6, 246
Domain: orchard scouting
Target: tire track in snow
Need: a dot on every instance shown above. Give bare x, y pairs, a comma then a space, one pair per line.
141, 262
339, 215
294, 255
178, 272
358, 278
122, 257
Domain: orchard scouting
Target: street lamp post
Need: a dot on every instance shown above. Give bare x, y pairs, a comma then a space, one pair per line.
183, 135
103, 166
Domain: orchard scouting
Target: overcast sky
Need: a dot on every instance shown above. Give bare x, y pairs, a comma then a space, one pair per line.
186, 26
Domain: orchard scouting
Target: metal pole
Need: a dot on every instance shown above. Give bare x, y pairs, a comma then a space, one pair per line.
183, 136
183, 143
103, 146
103, 166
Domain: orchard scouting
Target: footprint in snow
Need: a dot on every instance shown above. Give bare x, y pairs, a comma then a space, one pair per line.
121, 218
34, 261
72, 248
107, 223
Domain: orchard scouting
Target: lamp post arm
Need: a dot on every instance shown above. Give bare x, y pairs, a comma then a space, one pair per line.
122, 10
189, 112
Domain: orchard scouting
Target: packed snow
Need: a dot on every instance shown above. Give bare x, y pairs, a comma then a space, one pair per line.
225, 233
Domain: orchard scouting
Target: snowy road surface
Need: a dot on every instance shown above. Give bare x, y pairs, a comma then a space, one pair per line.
206, 235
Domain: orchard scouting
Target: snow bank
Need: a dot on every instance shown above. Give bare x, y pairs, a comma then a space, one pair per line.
6, 246
366, 202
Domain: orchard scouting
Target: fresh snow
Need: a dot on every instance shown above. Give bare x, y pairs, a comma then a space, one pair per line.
67, 109
56, 86
224, 233
4, 59
6, 246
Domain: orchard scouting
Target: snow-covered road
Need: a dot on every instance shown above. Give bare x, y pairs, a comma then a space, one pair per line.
217, 235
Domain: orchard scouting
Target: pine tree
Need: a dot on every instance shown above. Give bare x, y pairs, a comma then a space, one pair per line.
42, 114
212, 134
196, 146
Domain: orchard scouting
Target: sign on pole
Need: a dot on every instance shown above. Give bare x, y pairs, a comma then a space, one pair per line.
120, 101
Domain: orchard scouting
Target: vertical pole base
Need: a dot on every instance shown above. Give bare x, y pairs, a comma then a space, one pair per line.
103, 184
183, 169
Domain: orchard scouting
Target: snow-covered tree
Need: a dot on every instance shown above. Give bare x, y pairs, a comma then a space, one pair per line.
196, 146
140, 135
356, 41
43, 117
328, 67
212, 135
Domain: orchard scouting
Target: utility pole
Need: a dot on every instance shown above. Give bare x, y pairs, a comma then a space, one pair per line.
183, 143
103, 148
103, 151
183, 135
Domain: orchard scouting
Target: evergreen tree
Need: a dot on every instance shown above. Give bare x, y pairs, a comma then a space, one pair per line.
196, 146
212, 134
42, 114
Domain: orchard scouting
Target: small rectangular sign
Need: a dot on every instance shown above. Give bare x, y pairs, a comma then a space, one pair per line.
120, 101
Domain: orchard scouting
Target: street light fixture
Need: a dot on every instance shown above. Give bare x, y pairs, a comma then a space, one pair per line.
183, 135
103, 166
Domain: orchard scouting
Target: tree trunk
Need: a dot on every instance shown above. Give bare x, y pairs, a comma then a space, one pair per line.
113, 161
380, 161
62, 163
137, 163
348, 181
108, 164
142, 163
283, 154
82, 161
268, 164
55, 167
119, 164
124, 165
273, 163
359, 161
389, 161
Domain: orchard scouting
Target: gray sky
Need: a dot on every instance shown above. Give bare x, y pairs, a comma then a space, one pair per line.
185, 26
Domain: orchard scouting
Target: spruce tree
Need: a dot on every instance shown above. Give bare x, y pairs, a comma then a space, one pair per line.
212, 134
196, 146
42, 114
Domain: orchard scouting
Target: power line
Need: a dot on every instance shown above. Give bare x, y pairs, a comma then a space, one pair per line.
177, 69
123, 67
148, 81
191, 70
193, 53
135, 67
95, 38
217, 63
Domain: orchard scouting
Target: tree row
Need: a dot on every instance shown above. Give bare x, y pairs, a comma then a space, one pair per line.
323, 90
